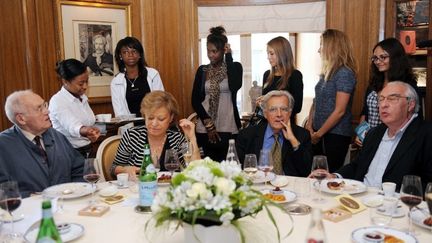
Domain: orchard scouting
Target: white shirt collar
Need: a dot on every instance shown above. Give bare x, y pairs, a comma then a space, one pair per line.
402, 129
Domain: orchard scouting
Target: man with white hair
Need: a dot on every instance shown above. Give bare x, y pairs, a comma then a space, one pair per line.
100, 62
289, 145
31, 152
401, 145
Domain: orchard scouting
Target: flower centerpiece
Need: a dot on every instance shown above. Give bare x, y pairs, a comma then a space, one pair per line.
209, 193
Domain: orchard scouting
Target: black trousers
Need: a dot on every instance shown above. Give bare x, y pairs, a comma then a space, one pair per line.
216, 151
335, 147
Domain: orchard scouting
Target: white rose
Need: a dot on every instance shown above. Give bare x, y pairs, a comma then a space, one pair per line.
224, 186
198, 189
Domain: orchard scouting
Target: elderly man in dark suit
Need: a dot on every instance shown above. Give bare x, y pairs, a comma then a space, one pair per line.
402, 145
31, 152
288, 143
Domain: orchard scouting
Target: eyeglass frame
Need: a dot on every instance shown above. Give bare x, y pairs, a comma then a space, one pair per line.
39, 109
392, 98
380, 58
274, 109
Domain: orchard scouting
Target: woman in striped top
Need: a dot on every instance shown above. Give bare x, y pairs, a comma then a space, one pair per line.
160, 110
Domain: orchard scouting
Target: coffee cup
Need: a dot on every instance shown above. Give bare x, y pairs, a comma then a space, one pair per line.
389, 189
122, 179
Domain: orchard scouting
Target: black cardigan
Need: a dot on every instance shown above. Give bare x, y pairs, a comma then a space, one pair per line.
235, 81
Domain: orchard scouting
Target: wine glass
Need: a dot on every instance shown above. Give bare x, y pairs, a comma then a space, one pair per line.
187, 150
91, 176
319, 172
10, 200
250, 165
171, 161
428, 197
265, 163
156, 162
411, 195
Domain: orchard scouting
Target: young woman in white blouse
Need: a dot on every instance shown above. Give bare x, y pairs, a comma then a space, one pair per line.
135, 79
70, 112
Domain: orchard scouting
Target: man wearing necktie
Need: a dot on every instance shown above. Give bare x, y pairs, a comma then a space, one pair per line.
289, 144
31, 152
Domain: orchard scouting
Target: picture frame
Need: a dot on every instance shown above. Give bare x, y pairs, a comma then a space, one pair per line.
89, 31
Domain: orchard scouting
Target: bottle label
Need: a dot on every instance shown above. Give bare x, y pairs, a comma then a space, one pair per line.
47, 213
46, 239
146, 151
147, 192
150, 169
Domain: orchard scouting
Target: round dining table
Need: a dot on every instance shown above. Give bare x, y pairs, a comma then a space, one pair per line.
122, 224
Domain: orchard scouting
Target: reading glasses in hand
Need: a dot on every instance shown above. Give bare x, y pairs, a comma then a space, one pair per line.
393, 98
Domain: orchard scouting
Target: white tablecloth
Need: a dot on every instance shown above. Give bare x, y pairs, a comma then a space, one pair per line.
122, 224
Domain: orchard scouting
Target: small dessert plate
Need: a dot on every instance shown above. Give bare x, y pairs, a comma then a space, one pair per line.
373, 201
279, 181
108, 191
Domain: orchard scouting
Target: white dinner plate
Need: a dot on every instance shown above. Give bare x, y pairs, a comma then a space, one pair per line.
160, 173
357, 235
350, 187
260, 177
69, 190
289, 196
418, 217
75, 232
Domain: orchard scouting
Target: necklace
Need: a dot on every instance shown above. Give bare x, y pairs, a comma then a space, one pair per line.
131, 82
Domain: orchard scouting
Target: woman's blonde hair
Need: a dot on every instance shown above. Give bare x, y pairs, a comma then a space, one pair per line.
336, 52
158, 99
285, 65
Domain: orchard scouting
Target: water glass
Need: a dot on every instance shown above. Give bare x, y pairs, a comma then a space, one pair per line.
250, 165
302, 186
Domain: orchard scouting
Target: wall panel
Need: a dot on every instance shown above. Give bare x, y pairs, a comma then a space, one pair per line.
169, 31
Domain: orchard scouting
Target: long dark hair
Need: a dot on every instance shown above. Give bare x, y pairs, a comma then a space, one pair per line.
70, 68
217, 37
133, 43
399, 66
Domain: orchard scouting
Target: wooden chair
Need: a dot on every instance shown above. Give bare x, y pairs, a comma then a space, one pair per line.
105, 155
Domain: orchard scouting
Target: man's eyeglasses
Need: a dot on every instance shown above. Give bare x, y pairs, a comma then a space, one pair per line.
42, 108
381, 58
274, 109
393, 98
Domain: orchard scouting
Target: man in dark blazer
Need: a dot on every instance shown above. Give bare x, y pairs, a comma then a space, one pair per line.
32, 152
400, 146
295, 144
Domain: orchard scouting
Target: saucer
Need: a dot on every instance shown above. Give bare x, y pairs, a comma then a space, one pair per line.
7, 218
397, 214
74, 232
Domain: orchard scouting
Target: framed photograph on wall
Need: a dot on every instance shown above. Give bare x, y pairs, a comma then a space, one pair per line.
89, 32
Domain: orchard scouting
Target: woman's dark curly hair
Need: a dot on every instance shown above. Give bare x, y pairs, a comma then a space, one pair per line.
217, 37
399, 70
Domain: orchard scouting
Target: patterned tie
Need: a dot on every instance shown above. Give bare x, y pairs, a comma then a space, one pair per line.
37, 139
277, 156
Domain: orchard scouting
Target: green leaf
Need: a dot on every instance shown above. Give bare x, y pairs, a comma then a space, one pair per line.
178, 179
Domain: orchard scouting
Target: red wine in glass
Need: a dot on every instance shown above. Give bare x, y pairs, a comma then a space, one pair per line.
319, 176
10, 204
411, 201
92, 178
